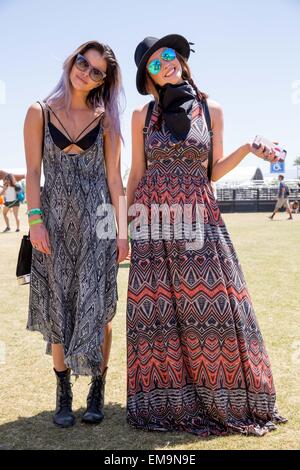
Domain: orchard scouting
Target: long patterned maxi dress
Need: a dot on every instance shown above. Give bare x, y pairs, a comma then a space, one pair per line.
195, 354
73, 291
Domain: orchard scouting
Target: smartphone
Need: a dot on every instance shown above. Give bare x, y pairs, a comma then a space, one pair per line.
280, 152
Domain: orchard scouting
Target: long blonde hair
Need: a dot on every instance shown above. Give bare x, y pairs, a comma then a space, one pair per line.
106, 96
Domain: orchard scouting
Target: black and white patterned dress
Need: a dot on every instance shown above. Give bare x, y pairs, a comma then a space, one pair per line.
73, 291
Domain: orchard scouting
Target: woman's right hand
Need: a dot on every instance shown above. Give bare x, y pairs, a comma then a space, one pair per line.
264, 152
39, 238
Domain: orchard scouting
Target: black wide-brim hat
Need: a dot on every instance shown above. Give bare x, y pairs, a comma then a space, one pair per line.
149, 45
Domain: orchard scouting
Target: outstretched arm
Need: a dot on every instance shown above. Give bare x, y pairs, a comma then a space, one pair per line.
223, 164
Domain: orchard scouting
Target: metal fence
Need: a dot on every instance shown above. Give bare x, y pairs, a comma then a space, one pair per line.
251, 199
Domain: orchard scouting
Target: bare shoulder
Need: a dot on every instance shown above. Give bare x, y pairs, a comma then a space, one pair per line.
139, 116
34, 120
212, 104
34, 114
216, 112
214, 107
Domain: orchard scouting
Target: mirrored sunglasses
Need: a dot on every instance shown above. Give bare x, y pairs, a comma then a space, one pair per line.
154, 66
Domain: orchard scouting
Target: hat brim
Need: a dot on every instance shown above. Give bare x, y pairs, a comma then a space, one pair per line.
175, 41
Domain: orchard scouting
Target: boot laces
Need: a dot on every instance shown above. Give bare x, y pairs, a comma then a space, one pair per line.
66, 394
96, 390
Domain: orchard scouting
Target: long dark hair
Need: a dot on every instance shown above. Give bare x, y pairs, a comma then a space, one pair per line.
186, 75
11, 179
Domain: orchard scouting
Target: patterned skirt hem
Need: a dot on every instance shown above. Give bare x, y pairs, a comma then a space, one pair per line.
214, 428
80, 364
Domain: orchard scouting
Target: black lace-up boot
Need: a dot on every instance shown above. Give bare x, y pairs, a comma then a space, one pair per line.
63, 416
95, 400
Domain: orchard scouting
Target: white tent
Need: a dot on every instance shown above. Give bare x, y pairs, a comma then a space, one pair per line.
239, 175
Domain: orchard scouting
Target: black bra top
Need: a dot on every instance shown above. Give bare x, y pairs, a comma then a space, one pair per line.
62, 141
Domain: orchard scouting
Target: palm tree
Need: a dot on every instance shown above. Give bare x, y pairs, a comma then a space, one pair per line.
297, 164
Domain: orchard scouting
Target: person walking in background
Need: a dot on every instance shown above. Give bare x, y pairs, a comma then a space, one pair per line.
196, 358
283, 198
18, 177
76, 244
10, 192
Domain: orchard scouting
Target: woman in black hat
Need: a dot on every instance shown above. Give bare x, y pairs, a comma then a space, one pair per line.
196, 357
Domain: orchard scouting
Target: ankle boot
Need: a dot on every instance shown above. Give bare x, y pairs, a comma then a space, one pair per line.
63, 416
95, 400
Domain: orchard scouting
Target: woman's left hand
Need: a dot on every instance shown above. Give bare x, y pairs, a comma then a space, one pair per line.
122, 249
265, 153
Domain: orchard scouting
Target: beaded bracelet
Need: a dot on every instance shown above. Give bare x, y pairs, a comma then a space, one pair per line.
34, 212
35, 222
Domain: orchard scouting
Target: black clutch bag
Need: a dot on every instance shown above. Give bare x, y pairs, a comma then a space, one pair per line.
25, 253
24, 261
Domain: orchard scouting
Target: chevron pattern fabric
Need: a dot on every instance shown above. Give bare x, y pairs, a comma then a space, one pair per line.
73, 291
195, 354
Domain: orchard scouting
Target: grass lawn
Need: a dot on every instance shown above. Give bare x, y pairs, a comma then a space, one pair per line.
270, 257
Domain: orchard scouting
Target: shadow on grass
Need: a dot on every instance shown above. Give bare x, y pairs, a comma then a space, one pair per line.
39, 432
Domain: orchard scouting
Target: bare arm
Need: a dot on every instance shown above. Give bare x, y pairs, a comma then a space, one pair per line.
112, 155
33, 137
138, 166
221, 164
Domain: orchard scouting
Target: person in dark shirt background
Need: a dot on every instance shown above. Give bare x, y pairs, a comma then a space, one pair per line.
282, 200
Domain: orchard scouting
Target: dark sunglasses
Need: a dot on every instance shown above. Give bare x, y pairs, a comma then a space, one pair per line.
155, 65
83, 65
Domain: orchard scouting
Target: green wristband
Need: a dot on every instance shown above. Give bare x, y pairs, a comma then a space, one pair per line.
34, 212
35, 222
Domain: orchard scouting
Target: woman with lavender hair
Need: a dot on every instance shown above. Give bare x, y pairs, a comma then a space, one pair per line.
76, 238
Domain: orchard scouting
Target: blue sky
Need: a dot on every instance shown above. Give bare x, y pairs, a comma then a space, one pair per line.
247, 58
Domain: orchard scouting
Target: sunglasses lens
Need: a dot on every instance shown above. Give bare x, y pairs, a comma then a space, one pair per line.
96, 75
154, 67
81, 63
169, 54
